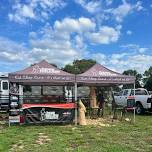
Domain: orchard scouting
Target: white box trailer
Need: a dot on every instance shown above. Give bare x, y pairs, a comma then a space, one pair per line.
4, 92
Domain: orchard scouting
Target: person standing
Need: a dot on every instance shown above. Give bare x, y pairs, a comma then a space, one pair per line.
101, 102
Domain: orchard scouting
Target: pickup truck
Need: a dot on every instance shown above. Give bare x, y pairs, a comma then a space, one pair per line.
143, 101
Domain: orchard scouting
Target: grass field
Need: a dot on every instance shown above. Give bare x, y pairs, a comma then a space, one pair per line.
117, 137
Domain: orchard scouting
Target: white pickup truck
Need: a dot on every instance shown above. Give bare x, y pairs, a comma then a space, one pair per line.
143, 100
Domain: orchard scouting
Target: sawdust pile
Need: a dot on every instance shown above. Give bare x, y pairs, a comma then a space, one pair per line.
99, 122
42, 139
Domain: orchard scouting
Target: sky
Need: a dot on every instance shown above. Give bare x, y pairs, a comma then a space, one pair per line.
115, 33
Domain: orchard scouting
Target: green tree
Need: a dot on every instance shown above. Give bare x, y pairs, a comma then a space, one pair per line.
136, 74
79, 66
148, 79
148, 72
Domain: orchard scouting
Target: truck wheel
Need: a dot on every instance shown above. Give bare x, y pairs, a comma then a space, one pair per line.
139, 109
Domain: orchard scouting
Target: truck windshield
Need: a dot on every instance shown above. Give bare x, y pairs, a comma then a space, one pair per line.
125, 93
139, 92
120, 93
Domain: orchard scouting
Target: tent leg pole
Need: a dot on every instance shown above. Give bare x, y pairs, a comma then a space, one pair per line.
75, 96
111, 89
135, 101
134, 89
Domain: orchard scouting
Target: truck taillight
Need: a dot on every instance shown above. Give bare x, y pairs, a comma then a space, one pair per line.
130, 97
149, 100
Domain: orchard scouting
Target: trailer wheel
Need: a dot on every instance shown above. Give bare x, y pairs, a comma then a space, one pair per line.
139, 109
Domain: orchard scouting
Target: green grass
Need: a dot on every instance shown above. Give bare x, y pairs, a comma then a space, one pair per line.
123, 137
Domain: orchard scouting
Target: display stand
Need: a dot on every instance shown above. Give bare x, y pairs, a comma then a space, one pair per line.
124, 110
14, 109
131, 106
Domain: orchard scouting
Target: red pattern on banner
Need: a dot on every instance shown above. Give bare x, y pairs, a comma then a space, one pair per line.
59, 105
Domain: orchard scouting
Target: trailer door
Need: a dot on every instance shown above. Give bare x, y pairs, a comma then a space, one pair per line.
4, 88
4, 94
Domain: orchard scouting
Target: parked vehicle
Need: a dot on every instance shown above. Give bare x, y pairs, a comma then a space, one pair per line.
143, 101
4, 92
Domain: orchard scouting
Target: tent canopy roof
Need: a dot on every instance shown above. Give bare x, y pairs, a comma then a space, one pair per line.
99, 74
43, 68
41, 72
45, 73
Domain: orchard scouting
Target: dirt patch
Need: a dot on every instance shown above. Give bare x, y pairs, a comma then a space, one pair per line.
42, 139
3, 116
17, 146
148, 139
3, 119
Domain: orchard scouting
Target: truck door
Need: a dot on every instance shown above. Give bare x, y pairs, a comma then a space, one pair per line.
141, 95
118, 98
123, 101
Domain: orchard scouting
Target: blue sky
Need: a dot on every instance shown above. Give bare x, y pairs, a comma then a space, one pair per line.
116, 34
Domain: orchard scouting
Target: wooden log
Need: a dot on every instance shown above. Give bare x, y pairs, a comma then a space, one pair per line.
93, 100
82, 110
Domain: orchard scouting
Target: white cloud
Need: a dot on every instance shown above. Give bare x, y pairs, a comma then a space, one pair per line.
59, 52
75, 25
103, 10
130, 46
56, 56
27, 11
34, 9
79, 42
56, 43
120, 12
64, 51
32, 34
105, 35
22, 13
100, 58
11, 51
121, 62
125, 61
143, 50
10, 56
118, 56
134, 48
91, 6
139, 6
129, 32
109, 2
86, 29
138, 61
